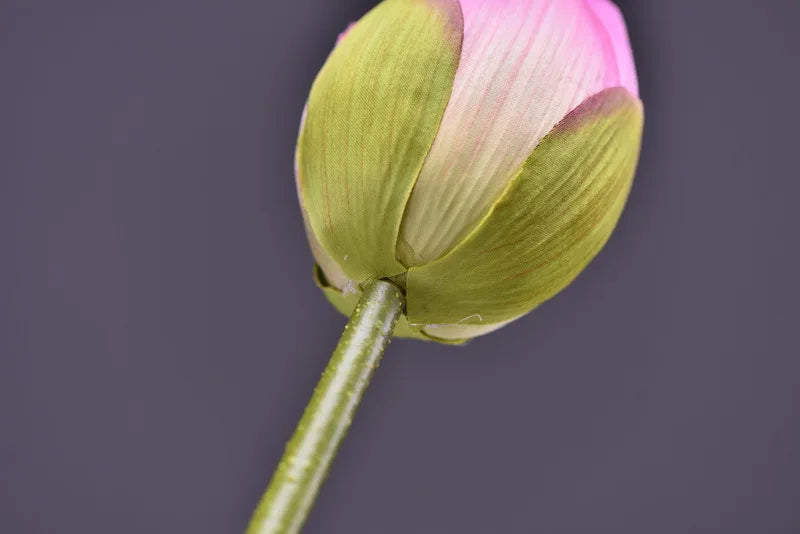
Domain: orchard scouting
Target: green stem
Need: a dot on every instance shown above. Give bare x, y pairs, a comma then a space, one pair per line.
295, 484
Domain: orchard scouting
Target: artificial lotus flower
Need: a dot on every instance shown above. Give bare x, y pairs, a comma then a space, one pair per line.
459, 163
478, 153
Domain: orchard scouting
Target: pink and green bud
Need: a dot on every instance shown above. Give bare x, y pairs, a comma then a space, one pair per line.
478, 153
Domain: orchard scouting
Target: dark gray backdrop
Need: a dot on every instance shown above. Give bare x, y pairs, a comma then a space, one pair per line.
160, 333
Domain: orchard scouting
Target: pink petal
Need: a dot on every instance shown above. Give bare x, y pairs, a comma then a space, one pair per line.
345, 32
609, 16
525, 65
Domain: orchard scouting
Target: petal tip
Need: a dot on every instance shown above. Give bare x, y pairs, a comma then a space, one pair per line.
611, 19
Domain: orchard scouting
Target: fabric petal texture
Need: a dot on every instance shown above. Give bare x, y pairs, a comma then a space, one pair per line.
373, 113
525, 64
554, 218
609, 16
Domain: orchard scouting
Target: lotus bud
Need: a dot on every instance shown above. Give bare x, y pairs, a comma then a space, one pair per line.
478, 153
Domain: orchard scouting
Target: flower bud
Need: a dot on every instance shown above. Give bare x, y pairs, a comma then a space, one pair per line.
477, 152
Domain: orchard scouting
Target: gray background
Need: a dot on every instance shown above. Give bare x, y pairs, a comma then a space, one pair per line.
160, 333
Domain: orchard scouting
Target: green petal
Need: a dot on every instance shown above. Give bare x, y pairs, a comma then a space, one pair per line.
373, 113
554, 217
